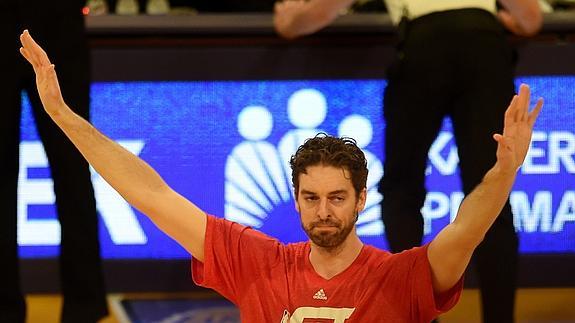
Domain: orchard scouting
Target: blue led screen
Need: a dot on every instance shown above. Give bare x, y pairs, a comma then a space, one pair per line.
225, 146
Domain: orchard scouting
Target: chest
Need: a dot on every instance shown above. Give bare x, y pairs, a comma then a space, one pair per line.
308, 298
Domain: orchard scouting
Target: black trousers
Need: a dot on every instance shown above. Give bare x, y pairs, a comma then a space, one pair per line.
59, 27
457, 64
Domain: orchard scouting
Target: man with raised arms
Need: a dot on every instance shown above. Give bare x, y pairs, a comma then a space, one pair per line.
333, 277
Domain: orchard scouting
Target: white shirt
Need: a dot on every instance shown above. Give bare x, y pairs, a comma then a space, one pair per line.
416, 8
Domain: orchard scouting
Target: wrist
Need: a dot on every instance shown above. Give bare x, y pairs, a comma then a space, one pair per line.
60, 114
503, 173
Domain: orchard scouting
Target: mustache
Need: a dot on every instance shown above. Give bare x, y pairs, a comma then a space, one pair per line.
324, 223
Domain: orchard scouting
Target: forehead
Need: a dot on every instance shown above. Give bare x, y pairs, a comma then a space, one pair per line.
324, 179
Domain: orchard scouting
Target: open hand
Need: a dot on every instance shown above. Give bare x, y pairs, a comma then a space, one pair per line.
46, 79
518, 127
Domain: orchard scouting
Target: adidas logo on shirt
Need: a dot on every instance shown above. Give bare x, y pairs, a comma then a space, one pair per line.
320, 295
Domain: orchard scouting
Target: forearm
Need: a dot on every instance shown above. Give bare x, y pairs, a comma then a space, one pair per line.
482, 206
133, 178
137, 182
450, 252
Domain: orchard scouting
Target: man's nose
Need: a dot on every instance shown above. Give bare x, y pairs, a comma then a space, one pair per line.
323, 211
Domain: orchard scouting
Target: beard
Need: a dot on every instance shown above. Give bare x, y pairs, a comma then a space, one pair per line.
328, 239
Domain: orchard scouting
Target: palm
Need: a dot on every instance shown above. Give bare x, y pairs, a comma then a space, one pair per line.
518, 127
46, 79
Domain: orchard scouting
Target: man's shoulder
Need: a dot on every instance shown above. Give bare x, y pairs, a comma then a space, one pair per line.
298, 248
371, 250
380, 255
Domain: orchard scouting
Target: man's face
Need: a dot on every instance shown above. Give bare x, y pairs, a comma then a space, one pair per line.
328, 205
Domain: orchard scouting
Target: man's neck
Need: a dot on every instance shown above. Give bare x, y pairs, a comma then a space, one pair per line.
330, 262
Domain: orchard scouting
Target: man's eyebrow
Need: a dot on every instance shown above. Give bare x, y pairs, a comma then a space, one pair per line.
341, 191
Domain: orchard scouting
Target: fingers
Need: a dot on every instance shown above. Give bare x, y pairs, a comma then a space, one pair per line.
510, 113
523, 113
27, 49
519, 106
518, 110
534, 114
523, 108
524, 96
39, 69
27, 55
36, 55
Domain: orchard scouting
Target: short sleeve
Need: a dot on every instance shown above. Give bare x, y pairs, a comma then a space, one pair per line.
233, 254
413, 273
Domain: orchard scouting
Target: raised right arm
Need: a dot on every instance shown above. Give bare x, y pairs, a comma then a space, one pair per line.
133, 178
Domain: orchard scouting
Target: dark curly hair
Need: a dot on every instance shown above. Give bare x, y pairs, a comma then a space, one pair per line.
324, 149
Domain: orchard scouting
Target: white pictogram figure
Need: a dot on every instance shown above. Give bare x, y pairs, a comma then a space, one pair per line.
359, 128
255, 181
307, 109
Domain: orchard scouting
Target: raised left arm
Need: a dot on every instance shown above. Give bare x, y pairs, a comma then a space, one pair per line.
450, 252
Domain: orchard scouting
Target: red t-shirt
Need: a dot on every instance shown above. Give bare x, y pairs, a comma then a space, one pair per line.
274, 283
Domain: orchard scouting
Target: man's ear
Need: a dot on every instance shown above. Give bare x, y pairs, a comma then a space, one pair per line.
296, 204
361, 200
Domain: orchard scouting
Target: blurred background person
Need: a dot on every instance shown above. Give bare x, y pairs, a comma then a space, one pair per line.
59, 26
453, 59
157, 7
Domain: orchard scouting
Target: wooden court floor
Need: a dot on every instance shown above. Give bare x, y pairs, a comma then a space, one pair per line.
533, 306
